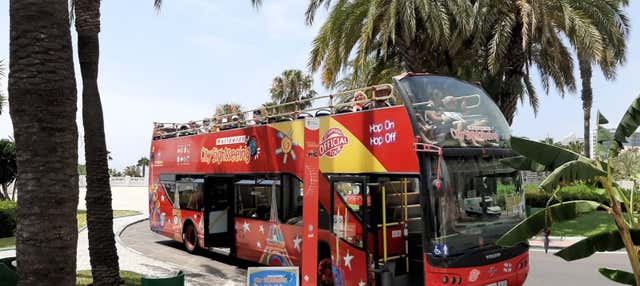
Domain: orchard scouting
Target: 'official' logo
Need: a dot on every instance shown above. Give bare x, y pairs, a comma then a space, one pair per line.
333, 142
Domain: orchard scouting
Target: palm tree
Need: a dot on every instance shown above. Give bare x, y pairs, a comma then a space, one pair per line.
132, 171
576, 146
375, 71
42, 103
413, 30
2, 99
613, 26
626, 163
291, 86
494, 42
102, 248
143, 162
228, 108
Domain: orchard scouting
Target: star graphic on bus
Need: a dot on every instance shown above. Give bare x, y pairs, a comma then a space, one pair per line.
347, 260
286, 146
296, 243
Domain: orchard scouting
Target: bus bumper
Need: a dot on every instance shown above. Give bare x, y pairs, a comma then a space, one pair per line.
510, 272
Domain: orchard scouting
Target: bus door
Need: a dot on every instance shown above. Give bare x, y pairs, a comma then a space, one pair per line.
218, 211
350, 208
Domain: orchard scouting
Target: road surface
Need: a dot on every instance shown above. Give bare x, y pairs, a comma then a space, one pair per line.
546, 269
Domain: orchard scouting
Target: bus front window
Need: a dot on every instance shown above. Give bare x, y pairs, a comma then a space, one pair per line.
452, 113
479, 201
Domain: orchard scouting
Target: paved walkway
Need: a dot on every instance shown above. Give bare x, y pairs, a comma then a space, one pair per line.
132, 198
213, 266
555, 242
136, 262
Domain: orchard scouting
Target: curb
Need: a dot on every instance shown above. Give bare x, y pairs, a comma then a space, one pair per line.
115, 218
551, 247
122, 243
187, 270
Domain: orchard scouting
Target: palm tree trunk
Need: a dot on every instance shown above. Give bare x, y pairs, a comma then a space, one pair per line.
587, 99
42, 90
102, 249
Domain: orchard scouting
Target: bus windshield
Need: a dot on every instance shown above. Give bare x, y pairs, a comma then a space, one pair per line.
453, 113
480, 199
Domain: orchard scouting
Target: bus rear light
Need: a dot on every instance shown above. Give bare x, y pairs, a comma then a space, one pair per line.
451, 279
523, 263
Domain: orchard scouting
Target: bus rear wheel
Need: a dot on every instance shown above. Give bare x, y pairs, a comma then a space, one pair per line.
190, 237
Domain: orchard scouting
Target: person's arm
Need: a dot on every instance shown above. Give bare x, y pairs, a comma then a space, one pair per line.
434, 116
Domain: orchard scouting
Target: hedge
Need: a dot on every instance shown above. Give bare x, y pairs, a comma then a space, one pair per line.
7, 218
538, 199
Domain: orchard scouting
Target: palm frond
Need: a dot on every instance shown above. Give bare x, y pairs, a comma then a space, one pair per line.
499, 43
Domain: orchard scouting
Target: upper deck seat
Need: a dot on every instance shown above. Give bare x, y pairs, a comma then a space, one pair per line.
284, 119
344, 109
323, 112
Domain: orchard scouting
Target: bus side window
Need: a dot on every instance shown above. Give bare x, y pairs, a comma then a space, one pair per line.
191, 195
291, 204
170, 189
253, 201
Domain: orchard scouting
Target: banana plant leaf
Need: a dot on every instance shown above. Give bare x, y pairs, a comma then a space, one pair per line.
537, 222
523, 163
603, 135
577, 170
547, 155
603, 241
618, 276
602, 119
629, 123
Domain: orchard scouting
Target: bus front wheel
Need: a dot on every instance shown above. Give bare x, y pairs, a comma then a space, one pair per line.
189, 237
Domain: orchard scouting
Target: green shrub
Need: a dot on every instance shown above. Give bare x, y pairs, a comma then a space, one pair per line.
538, 199
7, 218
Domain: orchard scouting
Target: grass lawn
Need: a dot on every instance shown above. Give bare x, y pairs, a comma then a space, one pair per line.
584, 225
82, 216
82, 222
7, 241
130, 278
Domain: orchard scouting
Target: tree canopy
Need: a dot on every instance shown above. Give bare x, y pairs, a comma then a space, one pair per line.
493, 42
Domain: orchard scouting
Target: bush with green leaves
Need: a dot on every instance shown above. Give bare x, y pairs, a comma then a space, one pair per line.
572, 169
538, 198
7, 218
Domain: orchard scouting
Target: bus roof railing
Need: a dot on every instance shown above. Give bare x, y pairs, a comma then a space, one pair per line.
341, 102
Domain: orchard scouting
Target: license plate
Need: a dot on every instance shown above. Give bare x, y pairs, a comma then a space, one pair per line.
499, 283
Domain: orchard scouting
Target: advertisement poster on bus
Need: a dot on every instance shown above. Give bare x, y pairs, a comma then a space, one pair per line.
272, 276
355, 201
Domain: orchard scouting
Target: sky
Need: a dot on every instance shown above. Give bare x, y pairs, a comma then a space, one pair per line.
178, 64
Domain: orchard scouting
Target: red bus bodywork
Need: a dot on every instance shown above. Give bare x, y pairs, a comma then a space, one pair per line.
379, 141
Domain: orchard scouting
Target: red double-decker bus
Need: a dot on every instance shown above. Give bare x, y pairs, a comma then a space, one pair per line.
410, 190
